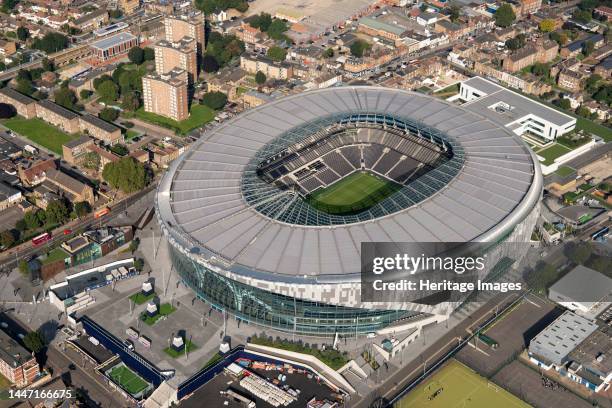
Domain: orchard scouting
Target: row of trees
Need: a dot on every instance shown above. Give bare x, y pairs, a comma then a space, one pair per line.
274, 27
56, 213
214, 6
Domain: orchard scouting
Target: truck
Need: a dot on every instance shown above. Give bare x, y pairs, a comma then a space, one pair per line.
30, 149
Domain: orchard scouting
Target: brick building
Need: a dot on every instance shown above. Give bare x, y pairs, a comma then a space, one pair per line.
272, 69
178, 54
100, 129
17, 364
166, 94
543, 52
70, 187
58, 116
186, 25
24, 105
114, 46
34, 172
570, 80
74, 150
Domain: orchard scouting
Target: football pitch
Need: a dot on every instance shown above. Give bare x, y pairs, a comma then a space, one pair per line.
127, 379
457, 386
356, 192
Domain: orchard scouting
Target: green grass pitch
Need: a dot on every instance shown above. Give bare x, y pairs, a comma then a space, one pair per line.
128, 380
354, 193
457, 386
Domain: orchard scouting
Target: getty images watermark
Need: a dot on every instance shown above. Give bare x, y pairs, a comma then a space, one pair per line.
430, 273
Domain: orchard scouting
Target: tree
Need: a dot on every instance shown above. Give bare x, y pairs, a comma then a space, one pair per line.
540, 69
582, 16
82, 208
148, 54
116, 13
100, 80
590, 84
583, 111
578, 253
277, 53
34, 341
261, 21
604, 94
9, 5
214, 100
588, 47
91, 160
57, 212
358, 47
31, 220
65, 97
7, 111
547, 25
120, 150
504, 16
136, 55
277, 29
223, 48
559, 38
7, 239
24, 268
25, 87
260, 78
23, 33
51, 42
564, 103
517, 42
108, 91
588, 5
209, 64
454, 12
329, 53
85, 93
130, 101
47, 65
109, 114
126, 174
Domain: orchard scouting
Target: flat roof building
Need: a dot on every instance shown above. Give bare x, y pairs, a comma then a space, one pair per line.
186, 25
57, 115
177, 54
166, 94
24, 105
581, 289
514, 111
114, 46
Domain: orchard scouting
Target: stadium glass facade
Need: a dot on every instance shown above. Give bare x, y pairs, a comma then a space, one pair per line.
254, 305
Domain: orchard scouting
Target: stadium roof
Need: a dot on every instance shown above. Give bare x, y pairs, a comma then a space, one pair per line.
521, 105
202, 205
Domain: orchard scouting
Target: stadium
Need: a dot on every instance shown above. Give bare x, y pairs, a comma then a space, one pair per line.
266, 213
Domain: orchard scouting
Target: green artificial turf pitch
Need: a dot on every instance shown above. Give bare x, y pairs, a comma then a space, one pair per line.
127, 379
356, 192
457, 386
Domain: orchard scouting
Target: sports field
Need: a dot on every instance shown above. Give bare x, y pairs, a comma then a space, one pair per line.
127, 379
457, 386
356, 192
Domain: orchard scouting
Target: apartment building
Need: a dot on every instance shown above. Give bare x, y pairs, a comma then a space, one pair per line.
100, 129
570, 80
58, 116
166, 94
17, 364
529, 6
74, 150
91, 21
128, 6
272, 69
186, 25
24, 105
543, 52
114, 46
178, 54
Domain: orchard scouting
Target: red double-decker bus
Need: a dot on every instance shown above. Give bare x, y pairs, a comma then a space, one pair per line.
102, 212
41, 239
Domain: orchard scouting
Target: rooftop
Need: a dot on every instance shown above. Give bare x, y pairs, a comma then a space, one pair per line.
78, 142
65, 181
521, 105
19, 97
57, 109
102, 124
12, 352
113, 40
583, 284
561, 337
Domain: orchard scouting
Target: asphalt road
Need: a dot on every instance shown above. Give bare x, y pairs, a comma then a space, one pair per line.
9, 259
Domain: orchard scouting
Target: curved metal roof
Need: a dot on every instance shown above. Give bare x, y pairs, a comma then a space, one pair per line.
200, 198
